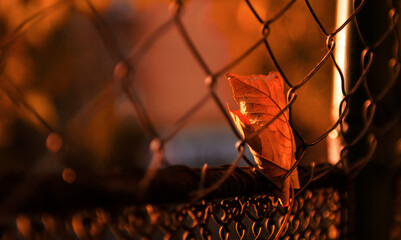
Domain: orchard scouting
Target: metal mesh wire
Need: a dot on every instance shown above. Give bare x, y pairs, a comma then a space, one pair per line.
317, 212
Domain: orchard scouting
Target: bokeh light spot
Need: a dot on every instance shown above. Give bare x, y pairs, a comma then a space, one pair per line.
54, 142
69, 175
333, 134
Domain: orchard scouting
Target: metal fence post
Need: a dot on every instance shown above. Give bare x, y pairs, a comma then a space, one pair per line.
372, 194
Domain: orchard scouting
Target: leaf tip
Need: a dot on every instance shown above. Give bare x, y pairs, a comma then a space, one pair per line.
229, 76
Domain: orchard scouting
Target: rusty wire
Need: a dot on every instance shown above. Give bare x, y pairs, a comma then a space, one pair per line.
124, 66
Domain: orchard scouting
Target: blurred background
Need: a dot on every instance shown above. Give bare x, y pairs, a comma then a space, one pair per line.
59, 65
63, 106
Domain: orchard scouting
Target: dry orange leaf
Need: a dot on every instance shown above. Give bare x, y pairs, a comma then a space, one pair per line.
261, 98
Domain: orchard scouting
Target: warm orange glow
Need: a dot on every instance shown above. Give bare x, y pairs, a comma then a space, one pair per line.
69, 175
101, 216
120, 70
155, 145
49, 223
19, 67
24, 225
333, 134
261, 97
42, 103
333, 232
54, 142
83, 6
78, 226
340, 54
144, 4
61, 66
16, 12
245, 18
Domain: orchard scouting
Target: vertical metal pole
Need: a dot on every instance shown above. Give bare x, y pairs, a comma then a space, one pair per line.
341, 54
371, 188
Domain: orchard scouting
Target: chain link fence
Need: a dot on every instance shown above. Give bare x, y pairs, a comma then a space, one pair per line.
52, 185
